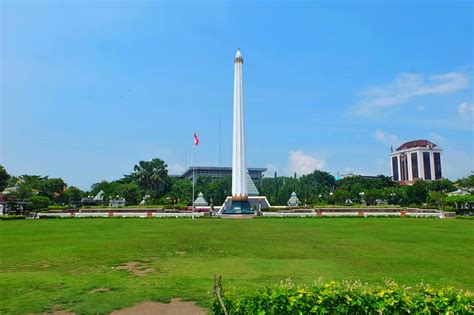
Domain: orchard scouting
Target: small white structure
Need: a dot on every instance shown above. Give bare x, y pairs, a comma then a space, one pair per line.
200, 201
117, 202
99, 197
293, 201
459, 192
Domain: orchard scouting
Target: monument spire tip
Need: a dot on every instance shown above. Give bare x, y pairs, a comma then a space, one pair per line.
238, 54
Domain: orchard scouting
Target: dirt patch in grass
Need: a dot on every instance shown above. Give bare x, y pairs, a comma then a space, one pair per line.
135, 267
176, 307
56, 311
100, 290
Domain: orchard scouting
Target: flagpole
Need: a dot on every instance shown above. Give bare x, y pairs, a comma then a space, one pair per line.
192, 210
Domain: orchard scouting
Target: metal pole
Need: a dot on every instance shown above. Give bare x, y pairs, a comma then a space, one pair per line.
220, 145
192, 210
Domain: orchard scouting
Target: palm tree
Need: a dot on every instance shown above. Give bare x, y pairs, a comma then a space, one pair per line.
152, 177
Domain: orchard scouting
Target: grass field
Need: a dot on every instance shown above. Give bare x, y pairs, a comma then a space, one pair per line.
60, 262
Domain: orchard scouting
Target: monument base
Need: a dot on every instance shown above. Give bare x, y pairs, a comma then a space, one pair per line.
239, 207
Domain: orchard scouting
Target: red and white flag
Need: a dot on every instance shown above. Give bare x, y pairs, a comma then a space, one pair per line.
196, 139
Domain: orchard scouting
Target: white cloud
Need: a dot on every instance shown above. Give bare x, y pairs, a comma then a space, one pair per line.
302, 163
377, 167
436, 138
176, 169
406, 87
271, 169
466, 108
354, 171
456, 163
386, 138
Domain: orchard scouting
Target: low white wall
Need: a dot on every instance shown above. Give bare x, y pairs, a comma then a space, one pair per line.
426, 214
177, 215
339, 214
385, 214
130, 214
91, 214
265, 214
289, 214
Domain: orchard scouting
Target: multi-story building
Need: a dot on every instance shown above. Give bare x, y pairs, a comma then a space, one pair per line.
417, 159
218, 172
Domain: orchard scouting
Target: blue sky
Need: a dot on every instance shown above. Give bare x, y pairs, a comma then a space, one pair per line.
90, 88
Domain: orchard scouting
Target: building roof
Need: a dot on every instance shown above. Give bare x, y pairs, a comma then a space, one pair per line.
293, 201
200, 201
189, 171
416, 144
99, 196
251, 188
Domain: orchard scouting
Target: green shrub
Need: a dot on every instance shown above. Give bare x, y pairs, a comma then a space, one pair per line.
38, 202
55, 207
49, 217
348, 298
11, 217
464, 217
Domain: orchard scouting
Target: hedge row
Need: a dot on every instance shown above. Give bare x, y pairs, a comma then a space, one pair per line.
11, 217
55, 207
348, 298
464, 217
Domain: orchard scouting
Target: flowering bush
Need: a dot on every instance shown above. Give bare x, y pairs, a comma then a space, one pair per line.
348, 298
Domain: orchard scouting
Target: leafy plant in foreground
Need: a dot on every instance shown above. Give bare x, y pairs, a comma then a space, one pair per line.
348, 298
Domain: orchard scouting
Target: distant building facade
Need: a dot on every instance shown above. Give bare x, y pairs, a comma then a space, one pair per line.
218, 172
414, 160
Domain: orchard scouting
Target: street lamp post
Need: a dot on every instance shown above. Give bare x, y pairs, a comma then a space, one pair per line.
392, 195
361, 194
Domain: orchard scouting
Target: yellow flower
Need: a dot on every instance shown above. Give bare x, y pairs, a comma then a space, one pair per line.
292, 300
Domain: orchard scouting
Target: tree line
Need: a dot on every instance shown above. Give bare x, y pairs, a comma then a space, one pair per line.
150, 181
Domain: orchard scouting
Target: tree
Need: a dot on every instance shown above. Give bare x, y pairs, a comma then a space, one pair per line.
340, 196
372, 195
34, 182
460, 201
38, 202
442, 185
312, 185
437, 199
366, 183
53, 188
152, 177
218, 190
466, 182
4, 177
417, 193
73, 194
181, 191
22, 193
131, 192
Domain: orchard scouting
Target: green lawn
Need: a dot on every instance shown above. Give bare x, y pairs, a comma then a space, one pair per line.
60, 262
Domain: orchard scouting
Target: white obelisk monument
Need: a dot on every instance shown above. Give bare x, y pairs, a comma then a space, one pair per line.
240, 203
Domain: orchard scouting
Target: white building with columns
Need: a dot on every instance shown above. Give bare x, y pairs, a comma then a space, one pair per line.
414, 160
